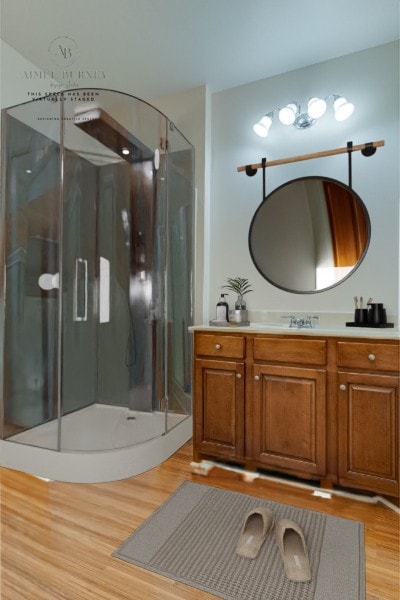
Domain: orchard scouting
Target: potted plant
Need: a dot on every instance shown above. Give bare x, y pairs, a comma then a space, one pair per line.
241, 287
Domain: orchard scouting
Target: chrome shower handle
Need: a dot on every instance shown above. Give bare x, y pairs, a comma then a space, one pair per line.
78, 314
104, 290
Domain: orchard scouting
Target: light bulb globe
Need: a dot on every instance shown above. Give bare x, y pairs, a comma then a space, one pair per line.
343, 109
262, 127
287, 114
316, 108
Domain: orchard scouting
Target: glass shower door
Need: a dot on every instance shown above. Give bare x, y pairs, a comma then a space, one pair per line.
79, 326
30, 252
180, 274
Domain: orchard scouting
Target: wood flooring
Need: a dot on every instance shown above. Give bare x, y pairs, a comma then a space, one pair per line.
57, 538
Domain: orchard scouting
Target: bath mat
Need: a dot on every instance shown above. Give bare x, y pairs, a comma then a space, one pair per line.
192, 537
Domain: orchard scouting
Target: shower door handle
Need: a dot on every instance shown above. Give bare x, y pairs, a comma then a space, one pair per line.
104, 290
80, 289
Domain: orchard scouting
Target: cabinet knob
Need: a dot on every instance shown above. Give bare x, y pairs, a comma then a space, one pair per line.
218, 346
238, 376
342, 387
371, 356
256, 377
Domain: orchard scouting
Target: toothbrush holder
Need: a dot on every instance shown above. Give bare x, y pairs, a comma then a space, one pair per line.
361, 316
376, 314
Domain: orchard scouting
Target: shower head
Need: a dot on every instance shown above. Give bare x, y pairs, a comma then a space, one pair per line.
104, 128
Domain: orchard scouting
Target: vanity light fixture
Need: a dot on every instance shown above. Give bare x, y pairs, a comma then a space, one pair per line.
291, 114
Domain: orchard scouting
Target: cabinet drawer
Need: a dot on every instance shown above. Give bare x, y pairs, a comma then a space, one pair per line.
226, 346
312, 352
368, 355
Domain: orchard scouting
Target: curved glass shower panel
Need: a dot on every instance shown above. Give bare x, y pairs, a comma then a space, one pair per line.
30, 253
97, 247
181, 207
114, 269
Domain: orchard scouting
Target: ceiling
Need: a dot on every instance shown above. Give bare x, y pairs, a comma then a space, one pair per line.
155, 47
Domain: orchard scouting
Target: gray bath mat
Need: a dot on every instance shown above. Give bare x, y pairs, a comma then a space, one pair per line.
192, 538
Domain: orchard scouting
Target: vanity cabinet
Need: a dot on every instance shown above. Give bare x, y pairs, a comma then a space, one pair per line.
368, 416
286, 425
316, 407
219, 396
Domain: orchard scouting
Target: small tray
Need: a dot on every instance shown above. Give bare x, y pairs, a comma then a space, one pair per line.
370, 325
232, 324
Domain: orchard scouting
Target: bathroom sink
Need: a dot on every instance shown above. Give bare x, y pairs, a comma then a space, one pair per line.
271, 325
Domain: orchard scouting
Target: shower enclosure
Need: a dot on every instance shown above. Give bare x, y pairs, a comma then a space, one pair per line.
96, 284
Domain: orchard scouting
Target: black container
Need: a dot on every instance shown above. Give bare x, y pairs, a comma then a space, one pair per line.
361, 316
376, 314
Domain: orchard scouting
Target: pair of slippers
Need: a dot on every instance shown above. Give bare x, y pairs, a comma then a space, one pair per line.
289, 537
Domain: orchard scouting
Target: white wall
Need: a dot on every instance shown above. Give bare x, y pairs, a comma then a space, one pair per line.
370, 79
16, 85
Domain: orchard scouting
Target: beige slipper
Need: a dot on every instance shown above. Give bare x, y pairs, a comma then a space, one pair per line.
257, 524
293, 549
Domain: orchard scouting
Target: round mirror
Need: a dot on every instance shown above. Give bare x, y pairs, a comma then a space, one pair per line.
309, 234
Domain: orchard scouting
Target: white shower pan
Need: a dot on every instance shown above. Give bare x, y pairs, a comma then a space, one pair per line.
136, 442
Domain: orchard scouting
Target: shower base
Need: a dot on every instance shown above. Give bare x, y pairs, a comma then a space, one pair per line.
99, 427
98, 443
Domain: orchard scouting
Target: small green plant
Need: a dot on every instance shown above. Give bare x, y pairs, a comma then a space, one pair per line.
241, 287
238, 285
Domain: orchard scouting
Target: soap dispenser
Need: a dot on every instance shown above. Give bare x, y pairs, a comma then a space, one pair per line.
222, 309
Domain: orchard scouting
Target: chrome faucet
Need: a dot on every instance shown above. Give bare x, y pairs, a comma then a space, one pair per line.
301, 322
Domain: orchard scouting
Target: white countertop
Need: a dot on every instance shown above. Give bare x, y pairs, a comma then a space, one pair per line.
284, 329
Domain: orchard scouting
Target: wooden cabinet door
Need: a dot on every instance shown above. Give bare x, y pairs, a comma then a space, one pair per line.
289, 418
368, 435
219, 408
